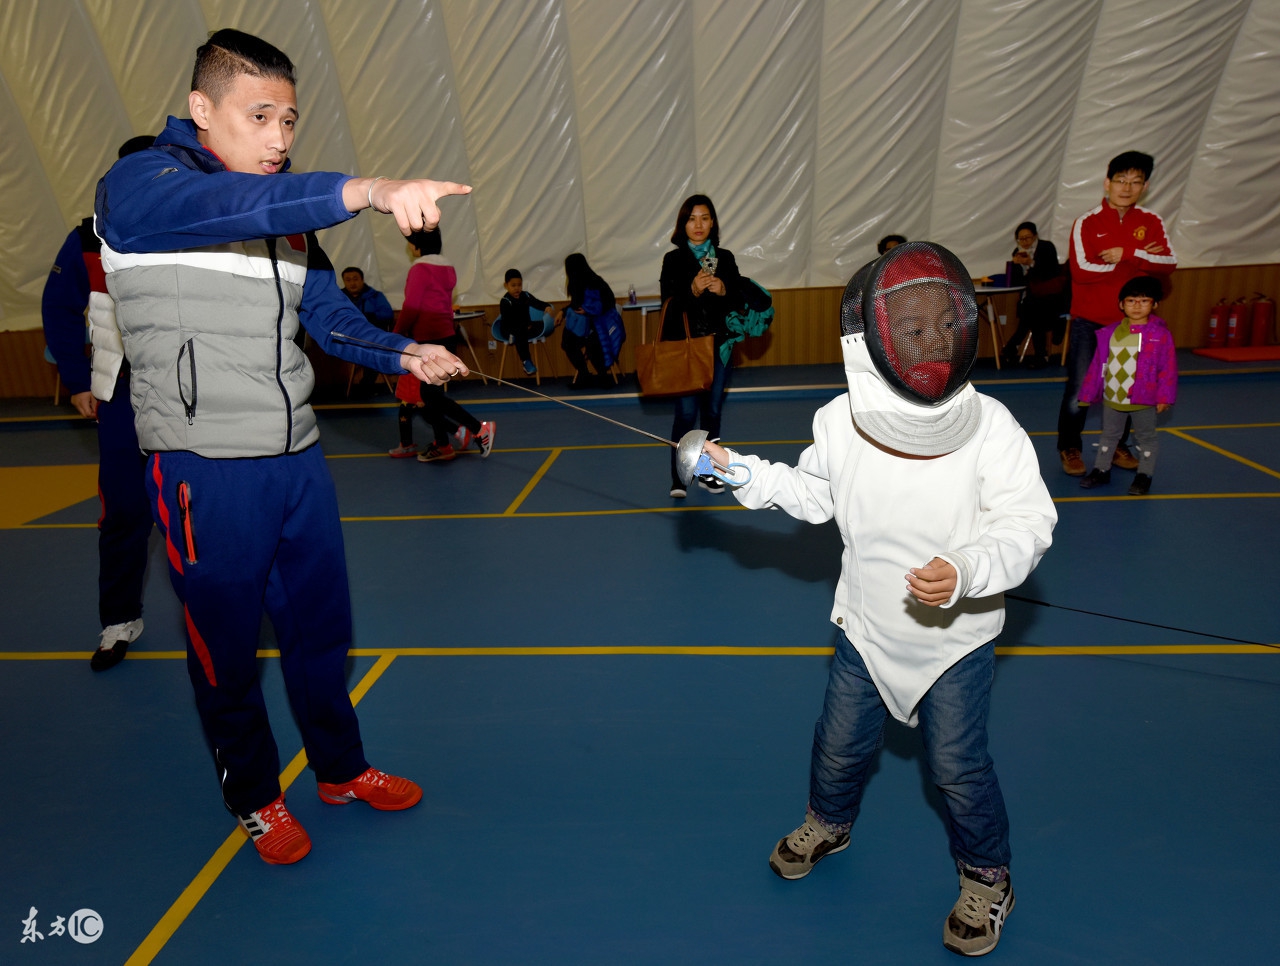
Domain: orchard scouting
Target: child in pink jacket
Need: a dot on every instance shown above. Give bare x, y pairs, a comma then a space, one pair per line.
1135, 373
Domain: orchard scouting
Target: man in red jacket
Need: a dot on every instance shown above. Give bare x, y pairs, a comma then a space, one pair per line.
1111, 244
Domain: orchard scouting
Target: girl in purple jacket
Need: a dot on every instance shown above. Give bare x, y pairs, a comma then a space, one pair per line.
1135, 373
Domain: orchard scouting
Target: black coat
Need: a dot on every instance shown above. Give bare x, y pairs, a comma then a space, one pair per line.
706, 311
1045, 274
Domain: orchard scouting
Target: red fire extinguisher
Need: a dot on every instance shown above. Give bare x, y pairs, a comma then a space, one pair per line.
1238, 324
1264, 320
1218, 324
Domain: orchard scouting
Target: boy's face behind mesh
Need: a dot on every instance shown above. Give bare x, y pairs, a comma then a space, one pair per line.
923, 339
923, 327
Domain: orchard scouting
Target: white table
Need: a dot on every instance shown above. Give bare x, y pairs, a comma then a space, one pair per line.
984, 294
645, 307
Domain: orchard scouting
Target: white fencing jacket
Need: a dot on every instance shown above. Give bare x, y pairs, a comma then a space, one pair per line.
983, 508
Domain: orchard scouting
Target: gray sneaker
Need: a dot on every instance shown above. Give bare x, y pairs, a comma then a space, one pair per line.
796, 855
977, 918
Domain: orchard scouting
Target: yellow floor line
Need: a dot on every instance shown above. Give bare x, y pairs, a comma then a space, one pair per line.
718, 508
1222, 452
1167, 496
533, 482
177, 913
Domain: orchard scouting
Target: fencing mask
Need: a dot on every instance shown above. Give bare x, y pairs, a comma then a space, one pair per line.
910, 325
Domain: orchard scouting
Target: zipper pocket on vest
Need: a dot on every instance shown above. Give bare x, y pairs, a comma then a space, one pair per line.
188, 406
188, 528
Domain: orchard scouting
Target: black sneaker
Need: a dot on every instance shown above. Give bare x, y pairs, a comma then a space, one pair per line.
114, 644
1096, 477
1141, 485
712, 484
795, 856
977, 918
678, 491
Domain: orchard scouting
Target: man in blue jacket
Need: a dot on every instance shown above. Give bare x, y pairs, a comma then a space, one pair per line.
373, 305
74, 293
211, 258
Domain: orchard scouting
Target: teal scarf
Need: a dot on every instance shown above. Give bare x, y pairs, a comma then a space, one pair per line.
701, 251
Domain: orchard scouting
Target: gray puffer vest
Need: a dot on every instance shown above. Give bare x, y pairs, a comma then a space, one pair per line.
209, 333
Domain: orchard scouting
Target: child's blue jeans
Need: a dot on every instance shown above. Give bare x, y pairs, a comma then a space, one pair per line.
953, 722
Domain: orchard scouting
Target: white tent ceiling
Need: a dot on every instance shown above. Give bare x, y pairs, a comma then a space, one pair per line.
816, 127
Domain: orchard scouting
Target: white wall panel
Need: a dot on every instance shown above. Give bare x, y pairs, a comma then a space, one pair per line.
884, 82
67, 98
1014, 77
31, 224
818, 126
1148, 86
1230, 213
756, 76
515, 93
149, 46
406, 124
633, 84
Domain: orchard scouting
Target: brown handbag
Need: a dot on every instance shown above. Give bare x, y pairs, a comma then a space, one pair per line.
677, 367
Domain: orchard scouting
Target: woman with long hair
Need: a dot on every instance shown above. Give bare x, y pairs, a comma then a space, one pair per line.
697, 276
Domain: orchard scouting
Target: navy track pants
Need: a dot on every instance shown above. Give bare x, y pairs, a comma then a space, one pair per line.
243, 535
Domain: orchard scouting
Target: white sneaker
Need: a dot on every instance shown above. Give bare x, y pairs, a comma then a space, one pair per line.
114, 644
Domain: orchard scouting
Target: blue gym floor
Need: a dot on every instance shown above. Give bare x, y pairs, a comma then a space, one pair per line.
609, 695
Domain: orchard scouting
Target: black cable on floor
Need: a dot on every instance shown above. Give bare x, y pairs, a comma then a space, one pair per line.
1130, 620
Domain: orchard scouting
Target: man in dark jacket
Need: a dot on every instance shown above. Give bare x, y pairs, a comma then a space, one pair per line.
1044, 298
373, 305
76, 292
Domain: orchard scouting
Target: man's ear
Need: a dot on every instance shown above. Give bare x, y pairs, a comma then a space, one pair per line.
200, 104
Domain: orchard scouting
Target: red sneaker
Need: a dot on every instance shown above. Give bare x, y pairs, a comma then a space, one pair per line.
384, 792
484, 438
276, 834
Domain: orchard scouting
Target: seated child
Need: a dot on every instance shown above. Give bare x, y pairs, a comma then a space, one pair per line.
427, 316
517, 323
932, 482
1135, 373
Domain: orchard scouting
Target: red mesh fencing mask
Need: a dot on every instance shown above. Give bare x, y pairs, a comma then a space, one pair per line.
921, 320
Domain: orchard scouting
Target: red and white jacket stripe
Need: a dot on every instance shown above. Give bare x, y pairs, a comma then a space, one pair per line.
1096, 284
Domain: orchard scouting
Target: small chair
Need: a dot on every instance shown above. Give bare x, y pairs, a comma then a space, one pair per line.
391, 386
537, 342
1026, 344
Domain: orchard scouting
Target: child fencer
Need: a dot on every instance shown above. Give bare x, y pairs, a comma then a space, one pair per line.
931, 482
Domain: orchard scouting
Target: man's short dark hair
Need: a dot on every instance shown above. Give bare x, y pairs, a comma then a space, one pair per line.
427, 242
1144, 286
512, 273
1029, 226
354, 268
1131, 161
884, 243
229, 53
